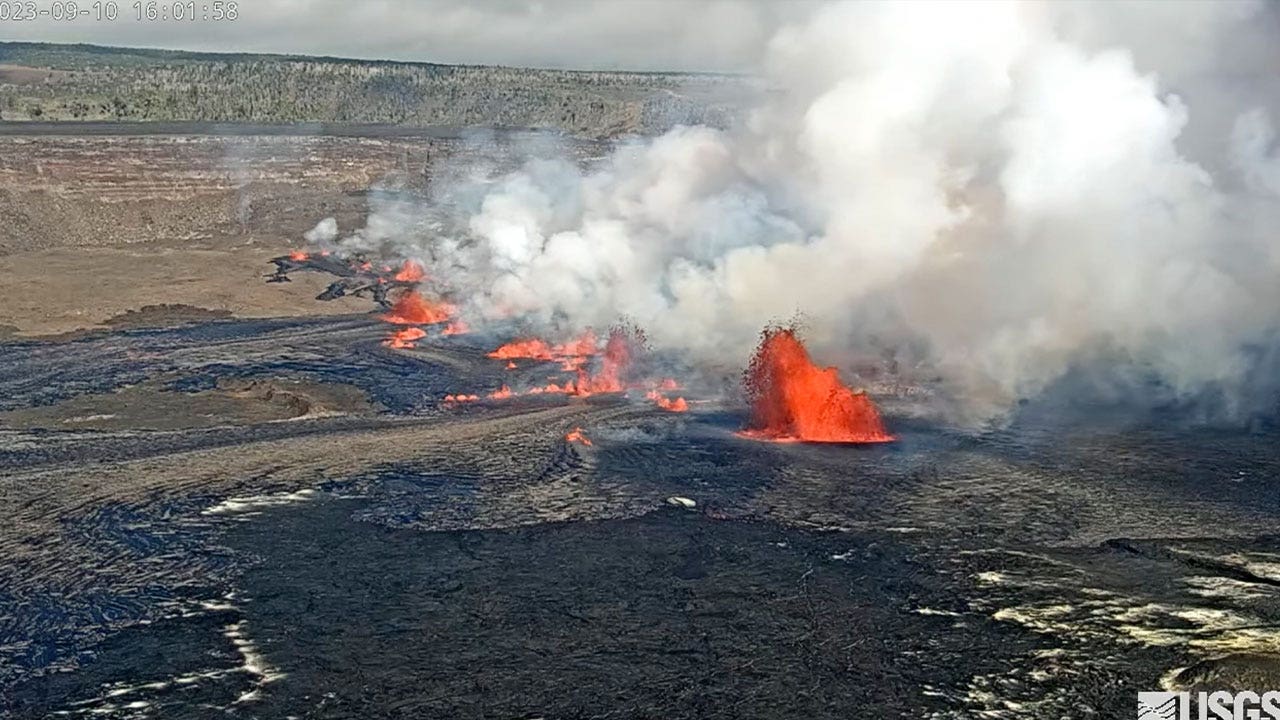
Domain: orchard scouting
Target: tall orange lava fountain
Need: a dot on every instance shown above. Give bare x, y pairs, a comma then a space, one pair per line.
794, 400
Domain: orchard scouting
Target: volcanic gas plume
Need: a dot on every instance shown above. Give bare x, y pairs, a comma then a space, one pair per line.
995, 197
793, 399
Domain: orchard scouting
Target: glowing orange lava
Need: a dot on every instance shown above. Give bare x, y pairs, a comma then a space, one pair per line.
624, 342
572, 354
532, 349
581, 346
298, 255
411, 271
677, 405
794, 400
457, 327
413, 309
405, 338
577, 436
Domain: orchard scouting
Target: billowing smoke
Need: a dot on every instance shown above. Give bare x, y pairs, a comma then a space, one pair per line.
995, 195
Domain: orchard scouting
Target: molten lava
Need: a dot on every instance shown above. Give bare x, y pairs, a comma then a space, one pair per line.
298, 255
532, 349
457, 327
581, 346
662, 401
411, 271
413, 309
572, 354
405, 338
625, 342
793, 399
577, 436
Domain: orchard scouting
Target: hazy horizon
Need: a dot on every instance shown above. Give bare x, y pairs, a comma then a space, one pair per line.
698, 36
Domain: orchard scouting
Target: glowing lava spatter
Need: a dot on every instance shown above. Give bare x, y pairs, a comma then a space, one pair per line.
413, 309
625, 342
411, 271
577, 436
404, 339
794, 400
457, 327
668, 404
298, 255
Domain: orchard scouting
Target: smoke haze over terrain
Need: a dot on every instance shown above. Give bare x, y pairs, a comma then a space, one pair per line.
994, 193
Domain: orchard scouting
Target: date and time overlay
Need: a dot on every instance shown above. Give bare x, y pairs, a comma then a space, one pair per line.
137, 11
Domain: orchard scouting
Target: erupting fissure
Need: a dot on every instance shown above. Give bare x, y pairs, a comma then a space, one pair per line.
792, 399
413, 309
616, 363
572, 355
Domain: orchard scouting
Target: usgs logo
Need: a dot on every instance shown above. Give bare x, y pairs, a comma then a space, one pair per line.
1221, 705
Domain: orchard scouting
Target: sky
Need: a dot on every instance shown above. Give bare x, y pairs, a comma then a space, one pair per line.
687, 35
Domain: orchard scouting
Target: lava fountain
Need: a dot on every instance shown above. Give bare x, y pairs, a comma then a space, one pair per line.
411, 271
792, 399
413, 309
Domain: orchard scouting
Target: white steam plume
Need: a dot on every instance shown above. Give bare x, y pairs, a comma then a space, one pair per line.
1010, 190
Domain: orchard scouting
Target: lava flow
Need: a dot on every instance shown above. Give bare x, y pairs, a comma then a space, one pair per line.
577, 436
572, 355
406, 338
794, 400
666, 403
413, 309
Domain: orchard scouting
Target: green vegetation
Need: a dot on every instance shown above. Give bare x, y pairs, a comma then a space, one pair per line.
85, 82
